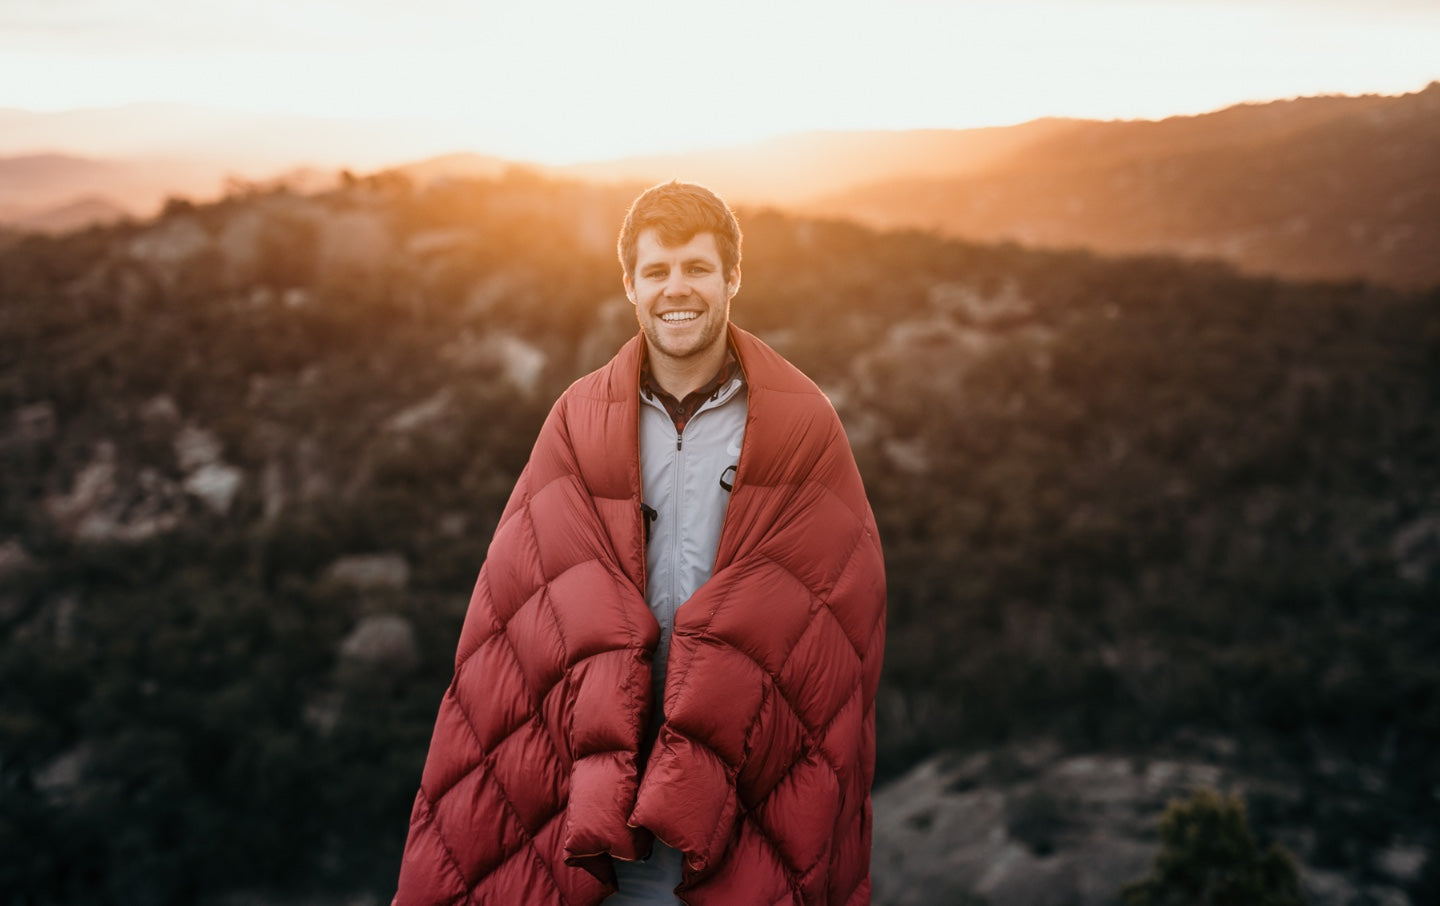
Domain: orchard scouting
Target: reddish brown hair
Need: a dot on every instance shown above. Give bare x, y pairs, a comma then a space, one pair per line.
678, 211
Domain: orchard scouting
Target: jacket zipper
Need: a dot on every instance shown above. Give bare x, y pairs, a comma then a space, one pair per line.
676, 483
678, 471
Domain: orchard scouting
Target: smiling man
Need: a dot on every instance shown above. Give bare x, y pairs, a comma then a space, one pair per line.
664, 688
682, 298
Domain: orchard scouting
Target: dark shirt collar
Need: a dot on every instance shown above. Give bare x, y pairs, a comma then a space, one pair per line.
681, 411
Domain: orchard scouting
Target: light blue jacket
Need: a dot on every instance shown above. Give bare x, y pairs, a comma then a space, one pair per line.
685, 484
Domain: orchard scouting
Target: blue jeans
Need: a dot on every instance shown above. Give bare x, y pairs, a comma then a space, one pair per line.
651, 882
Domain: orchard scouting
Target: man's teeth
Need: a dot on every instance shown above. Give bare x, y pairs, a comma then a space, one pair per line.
673, 316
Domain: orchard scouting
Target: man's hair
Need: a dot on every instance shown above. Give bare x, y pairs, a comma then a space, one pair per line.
679, 211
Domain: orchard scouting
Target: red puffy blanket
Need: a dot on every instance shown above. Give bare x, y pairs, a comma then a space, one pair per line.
761, 773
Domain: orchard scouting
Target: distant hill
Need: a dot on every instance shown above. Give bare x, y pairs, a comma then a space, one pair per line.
32, 185
234, 139
1327, 188
798, 169
139, 155
457, 166
35, 180
1334, 188
83, 212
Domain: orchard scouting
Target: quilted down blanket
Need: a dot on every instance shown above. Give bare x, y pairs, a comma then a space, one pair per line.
761, 772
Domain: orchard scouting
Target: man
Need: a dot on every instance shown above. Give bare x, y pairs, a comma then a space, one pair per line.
670, 658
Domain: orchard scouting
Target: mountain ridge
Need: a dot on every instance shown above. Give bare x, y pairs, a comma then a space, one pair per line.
1330, 187
1324, 188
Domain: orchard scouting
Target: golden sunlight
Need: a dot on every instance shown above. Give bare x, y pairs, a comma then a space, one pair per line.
556, 82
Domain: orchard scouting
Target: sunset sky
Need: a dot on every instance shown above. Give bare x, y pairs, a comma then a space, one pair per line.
566, 81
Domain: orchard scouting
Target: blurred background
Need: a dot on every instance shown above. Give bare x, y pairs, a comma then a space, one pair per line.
1131, 312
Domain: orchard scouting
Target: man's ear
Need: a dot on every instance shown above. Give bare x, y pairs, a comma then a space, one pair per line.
629, 289
732, 285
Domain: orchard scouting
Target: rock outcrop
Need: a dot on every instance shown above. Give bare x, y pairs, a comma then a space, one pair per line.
1033, 826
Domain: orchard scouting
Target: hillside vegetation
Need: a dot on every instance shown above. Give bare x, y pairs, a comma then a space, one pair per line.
254, 451
1329, 188
1334, 188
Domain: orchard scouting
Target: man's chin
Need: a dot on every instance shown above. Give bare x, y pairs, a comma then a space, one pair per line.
676, 351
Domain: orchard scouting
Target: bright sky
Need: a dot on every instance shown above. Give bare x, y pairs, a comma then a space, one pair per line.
566, 81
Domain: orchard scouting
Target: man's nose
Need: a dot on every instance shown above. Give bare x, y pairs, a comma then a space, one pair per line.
676, 285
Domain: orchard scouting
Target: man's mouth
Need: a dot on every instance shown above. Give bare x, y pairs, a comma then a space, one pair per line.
676, 317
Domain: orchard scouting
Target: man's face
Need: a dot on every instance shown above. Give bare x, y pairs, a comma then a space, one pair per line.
681, 295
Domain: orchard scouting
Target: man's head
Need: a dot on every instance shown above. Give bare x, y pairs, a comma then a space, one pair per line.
680, 247
677, 212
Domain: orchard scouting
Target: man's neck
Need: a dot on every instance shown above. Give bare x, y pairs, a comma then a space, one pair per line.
681, 377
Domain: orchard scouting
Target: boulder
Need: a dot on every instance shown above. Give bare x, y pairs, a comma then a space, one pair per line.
101, 507
33, 424
15, 561
522, 363
1033, 826
63, 776
367, 572
383, 643
196, 447
14, 558
354, 242
1416, 548
160, 412
216, 485
171, 241
426, 412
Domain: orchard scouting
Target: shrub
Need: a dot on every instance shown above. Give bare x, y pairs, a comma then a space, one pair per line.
1208, 857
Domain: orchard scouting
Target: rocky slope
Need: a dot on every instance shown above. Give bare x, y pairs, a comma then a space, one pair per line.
254, 451
1037, 826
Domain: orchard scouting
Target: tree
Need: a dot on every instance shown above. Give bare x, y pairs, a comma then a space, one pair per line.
1208, 857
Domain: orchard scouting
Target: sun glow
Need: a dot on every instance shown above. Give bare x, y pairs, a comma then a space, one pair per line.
558, 82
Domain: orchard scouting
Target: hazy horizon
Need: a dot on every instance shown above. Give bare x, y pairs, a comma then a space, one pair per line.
175, 129
558, 85
64, 169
